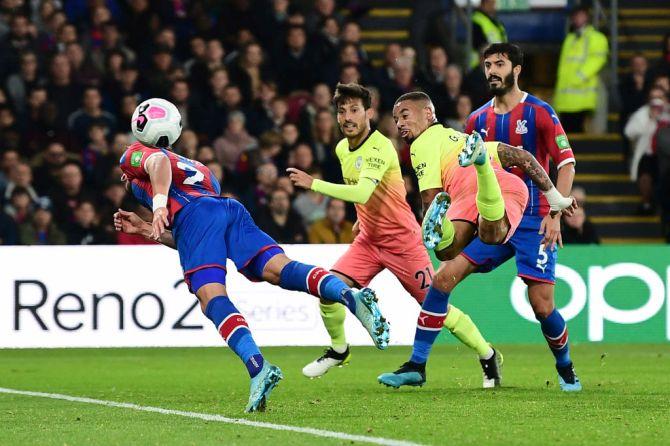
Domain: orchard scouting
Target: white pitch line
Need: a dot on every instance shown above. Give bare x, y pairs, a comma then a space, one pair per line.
219, 418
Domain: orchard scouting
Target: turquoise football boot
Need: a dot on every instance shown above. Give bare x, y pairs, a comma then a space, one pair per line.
261, 387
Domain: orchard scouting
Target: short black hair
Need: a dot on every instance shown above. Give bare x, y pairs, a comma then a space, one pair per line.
347, 92
413, 96
513, 52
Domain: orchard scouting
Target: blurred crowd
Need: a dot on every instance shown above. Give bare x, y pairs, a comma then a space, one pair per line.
253, 86
645, 118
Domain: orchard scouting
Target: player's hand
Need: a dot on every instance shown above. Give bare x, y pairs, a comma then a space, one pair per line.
551, 229
355, 229
570, 210
300, 178
159, 223
129, 222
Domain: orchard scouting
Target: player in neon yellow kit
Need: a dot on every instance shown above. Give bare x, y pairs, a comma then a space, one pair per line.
388, 233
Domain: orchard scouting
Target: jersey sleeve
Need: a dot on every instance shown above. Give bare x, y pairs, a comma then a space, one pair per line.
376, 162
555, 139
133, 160
427, 166
470, 124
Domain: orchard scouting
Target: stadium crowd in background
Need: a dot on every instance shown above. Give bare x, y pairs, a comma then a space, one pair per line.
253, 87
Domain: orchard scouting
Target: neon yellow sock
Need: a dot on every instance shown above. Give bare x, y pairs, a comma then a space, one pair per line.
462, 327
490, 202
448, 233
333, 316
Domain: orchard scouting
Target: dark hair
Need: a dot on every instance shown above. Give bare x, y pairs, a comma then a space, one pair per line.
413, 96
513, 52
347, 92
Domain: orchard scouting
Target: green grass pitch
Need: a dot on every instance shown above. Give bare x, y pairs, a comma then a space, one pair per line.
625, 400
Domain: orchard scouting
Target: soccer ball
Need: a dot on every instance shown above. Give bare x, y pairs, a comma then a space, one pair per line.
156, 123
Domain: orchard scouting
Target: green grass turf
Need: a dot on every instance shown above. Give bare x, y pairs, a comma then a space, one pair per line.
625, 401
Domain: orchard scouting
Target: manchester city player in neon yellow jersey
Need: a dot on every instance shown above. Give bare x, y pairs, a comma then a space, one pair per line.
387, 233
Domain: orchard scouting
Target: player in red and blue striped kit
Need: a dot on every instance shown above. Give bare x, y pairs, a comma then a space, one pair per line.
520, 119
206, 230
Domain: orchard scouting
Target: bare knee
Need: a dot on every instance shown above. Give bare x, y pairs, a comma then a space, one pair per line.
208, 292
449, 253
451, 273
541, 298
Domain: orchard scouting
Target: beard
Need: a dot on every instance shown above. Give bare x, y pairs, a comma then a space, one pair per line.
507, 85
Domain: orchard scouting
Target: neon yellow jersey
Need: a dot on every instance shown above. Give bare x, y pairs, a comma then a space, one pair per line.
386, 213
434, 157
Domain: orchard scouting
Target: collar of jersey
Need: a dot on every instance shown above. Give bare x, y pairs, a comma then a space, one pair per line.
372, 130
428, 130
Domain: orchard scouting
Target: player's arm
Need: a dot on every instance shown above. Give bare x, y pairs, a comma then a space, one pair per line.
512, 156
158, 168
356, 193
131, 223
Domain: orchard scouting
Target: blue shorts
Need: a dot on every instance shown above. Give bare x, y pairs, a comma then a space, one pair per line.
533, 262
210, 230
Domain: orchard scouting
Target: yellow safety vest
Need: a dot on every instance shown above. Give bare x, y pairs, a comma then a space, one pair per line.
582, 58
494, 32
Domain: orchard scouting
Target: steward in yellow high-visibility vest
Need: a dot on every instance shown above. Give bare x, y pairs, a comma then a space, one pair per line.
486, 29
583, 55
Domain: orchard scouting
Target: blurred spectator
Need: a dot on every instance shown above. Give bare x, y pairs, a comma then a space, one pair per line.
9, 159
578, 229
20, 205
48, 164
432, 76
21, 176
663, 67
309, 204
63, 93
333, 228
385, 75
234, 141
41, 230
90, 113
463, 110
249, 71
86, 230
20, 83
447, 94
296, 63
180, 96
403, 82
640, 130
323, 9
21, 37
324, 140
320, 100
266, 181
634, 86
302, 157
9, 234
71, 192
578, 85
486, 29
281, 222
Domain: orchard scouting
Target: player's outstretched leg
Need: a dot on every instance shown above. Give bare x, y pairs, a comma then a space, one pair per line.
333, 316
233, 328
490, 203
296, 276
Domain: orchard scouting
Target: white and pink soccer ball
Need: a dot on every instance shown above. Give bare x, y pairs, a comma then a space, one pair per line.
156, 123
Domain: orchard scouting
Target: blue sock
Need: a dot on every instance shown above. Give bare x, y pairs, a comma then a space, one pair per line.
234, 330
556, 333
431, 320
316, 281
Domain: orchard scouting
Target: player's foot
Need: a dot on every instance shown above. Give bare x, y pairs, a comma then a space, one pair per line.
492, 370
330, 359
567, 379
367, 311
409, 374
261, 387
431, 228
474, 151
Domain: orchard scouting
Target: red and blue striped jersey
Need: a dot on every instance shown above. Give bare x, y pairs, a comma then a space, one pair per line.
533, 125
190, 179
